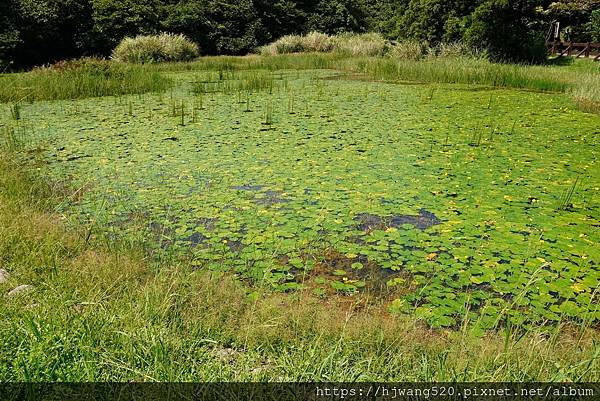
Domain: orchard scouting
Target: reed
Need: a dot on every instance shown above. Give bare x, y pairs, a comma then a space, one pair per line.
80, 79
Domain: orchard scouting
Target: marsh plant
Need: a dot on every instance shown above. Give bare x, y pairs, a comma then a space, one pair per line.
269, 113
15, 111
366, 44
166, 47
250, 81
182, 114
80, 79
11, 139
566, 199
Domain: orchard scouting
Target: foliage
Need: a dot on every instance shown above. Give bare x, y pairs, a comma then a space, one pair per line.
434, 21
593, 26
35, 32
575, 17
501, 27
366, 44
113, 21
46, 30
9, 34
336, 16
156, 49
79, 79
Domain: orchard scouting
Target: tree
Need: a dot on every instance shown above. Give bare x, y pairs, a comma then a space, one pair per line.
574, 17
9, 34
112, 20
336, 16
504, 28
593, 26
50, 30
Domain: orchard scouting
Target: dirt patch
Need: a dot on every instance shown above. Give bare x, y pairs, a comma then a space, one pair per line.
357, 269
368, 222
271, 198
248, 187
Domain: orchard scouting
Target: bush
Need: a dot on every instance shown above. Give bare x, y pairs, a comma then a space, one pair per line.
366, 44
155, 49
593, 26
502, 29
407, 50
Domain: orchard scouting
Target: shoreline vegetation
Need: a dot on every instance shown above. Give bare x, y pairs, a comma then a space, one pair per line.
93, 77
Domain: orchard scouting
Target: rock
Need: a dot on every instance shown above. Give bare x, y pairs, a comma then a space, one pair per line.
4, 276
261, 369
228, 355
19, 290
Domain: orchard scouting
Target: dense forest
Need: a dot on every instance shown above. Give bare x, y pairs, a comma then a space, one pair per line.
34, 32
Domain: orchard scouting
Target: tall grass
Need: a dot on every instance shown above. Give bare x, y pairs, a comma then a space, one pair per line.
461, 70
241, 81
587, 93
470, 71
80, 79
366, 44
165, 47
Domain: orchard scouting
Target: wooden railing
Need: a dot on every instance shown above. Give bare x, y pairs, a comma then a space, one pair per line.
590, 50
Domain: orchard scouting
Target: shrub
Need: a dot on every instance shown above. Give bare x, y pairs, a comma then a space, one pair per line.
407, 50
502, 28
367, 44
290, 44
165, 47
593, 26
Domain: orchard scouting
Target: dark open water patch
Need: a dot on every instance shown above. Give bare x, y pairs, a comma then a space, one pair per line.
248, 187
369, 222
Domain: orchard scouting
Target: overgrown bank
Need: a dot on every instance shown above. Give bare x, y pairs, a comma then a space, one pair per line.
91, 78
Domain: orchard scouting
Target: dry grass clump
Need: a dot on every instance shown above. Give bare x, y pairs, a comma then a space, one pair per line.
155, 49
319, 42
366, 44
587, 93
409, 50
363, 45
453, 50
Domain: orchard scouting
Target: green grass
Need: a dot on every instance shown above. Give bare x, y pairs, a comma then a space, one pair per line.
236, 81
92, 78
579, 78
80, 79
